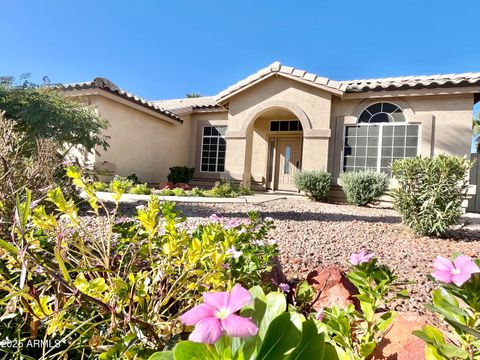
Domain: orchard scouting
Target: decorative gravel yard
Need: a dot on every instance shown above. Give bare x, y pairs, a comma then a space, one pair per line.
314, 235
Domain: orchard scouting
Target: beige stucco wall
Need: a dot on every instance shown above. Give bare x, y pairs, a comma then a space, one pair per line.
141, 143
446, 123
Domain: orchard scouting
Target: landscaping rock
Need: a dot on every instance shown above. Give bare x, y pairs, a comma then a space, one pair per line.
332, 286
399, 343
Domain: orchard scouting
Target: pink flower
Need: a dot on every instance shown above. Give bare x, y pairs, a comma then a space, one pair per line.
360, 258
246, 222
216, 316
457, 272
215, 217
233, 223
319, 316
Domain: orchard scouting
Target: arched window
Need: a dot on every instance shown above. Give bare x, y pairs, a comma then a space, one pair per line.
380, 137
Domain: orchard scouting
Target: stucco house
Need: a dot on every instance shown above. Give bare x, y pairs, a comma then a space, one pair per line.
280, 120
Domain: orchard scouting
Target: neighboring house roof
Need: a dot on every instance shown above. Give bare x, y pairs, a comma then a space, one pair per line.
413, 82
188, 104
107, 85
287, 71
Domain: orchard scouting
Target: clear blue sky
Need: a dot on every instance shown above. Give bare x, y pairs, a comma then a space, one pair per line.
164, 49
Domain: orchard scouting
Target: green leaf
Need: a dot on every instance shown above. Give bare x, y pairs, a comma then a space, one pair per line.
385, 320
282, 336
193, 351
304, 293
312, 345
367, 349
162, 355
9, 247
465, 328
61, 265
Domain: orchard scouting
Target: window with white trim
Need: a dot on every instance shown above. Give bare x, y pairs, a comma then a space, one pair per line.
213, 149
380, 137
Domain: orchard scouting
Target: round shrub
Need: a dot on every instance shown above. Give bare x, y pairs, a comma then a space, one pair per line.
363, 188
430, 192
315, 184
140, 189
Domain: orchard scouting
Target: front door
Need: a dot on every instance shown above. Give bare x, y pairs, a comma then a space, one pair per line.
288, 162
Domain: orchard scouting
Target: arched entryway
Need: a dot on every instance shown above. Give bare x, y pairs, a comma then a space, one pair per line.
276, 143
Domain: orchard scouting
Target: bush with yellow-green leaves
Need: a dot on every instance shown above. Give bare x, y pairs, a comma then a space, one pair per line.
116, 293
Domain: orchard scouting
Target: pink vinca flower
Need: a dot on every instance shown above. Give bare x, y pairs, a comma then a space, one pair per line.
215, 217
216, 316
457, 272
233, 223
319, 315
360, 258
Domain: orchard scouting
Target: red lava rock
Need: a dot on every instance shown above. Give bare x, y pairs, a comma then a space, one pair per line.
334, 287
399, 343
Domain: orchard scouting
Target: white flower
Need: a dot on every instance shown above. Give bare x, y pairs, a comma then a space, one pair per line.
232, 251
272, 242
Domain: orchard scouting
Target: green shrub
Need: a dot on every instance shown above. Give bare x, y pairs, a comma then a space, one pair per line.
120, 183
315, 184
228, 189
430, 192
100, 186
134, 178
181, 174
363, 188
117, 287
166, 192
179, 192
196, 192
140, 189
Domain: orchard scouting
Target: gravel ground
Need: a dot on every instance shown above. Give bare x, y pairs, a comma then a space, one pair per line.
314, 235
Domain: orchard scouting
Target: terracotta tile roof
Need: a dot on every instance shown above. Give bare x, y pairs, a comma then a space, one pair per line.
107, 85
287, 71
188, 104
351, 86
413, 82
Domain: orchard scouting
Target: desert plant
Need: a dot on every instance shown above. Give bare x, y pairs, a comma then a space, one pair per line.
134, 178
179, 192
23, 163
355, 333
120, 183
315, 184
363, 188
181, 174
457, 301
430, 192
105, 293
140, 189
100, 186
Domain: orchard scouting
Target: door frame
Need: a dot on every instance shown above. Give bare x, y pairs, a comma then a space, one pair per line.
272, 159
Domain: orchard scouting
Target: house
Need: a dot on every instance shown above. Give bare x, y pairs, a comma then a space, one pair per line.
280, 120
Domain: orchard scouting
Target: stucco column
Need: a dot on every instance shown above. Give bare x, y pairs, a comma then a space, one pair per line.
238, 156
315, 149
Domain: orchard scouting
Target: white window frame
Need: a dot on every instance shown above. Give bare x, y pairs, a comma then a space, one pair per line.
380, 140
218, 148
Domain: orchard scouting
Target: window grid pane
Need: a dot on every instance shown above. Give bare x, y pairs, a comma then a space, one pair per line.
213, 149
375, 146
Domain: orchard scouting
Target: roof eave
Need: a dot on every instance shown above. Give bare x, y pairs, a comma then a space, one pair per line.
94, 90
222, 100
